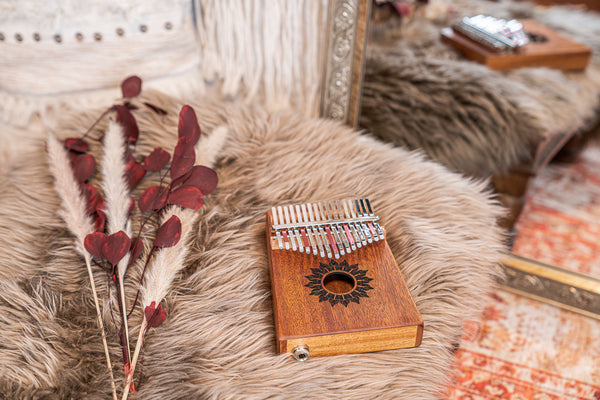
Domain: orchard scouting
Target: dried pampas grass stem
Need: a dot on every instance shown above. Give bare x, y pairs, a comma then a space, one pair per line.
118, 203
73, 212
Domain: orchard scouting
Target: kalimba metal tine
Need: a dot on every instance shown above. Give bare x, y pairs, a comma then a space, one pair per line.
358, 209
352, 215
364, 209
276, 222
345, 213
320, 244
324, 239
357, 226
288, 220
336, 236
296, 231
309, 231
338, 227
369, 212
330, 237
302, 229
368, 203
365, 230
284, 231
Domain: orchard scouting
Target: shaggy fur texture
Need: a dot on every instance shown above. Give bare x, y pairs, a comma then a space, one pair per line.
419, 93
218, 340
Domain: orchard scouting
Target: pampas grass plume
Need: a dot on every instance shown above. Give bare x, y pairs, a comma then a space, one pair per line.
118, 202
73, 204
73, 211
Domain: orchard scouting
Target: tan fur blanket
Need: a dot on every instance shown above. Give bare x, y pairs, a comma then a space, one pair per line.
218, 339
421, 94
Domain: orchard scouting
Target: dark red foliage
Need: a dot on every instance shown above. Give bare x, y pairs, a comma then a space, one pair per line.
186, 196
134, 171
99, 221
76, 144
169, 233
94, 242
154, 315
131, 86
184, 157
137, 246
203, 178
156, 160
99, 216
131, 131
116, 247
131, 206
188, 125
153, 198
110, 248
92, 196
83, 166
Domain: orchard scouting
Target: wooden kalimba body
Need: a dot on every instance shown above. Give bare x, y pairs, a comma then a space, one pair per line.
336, 285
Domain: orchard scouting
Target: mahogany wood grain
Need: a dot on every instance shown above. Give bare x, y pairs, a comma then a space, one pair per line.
387, 319
557, 52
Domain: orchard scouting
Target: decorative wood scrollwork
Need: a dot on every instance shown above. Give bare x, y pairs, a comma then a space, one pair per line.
343, 59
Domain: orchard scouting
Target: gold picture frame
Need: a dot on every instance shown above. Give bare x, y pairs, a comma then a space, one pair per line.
344, 59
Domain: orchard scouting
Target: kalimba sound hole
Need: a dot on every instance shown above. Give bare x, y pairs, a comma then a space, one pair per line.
339, 282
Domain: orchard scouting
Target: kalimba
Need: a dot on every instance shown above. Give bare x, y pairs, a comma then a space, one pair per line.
547, 48
336, 285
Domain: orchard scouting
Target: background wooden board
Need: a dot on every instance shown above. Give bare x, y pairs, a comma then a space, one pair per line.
557, 52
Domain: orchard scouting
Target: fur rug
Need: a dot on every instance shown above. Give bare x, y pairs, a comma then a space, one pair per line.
218, 339
419, 93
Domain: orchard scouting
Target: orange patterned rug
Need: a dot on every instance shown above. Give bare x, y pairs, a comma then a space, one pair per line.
521, 349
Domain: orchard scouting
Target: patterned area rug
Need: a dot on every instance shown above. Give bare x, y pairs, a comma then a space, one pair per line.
523, 349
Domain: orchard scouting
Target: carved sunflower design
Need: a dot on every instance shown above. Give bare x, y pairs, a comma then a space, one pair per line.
339, 283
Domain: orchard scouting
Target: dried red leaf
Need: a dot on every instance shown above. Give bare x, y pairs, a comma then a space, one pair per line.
92, 197
99, 221
155, 316
186, 196
203, 178
94, 243
181, 179
131, 86
72, 156
188, 124
184, 157
137, 246
99, 215
100, 205
76, 144
156, 109
169, 233
153, 198
131, 131
131, 206
134, 172
83, 166
115, 247
156, 160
